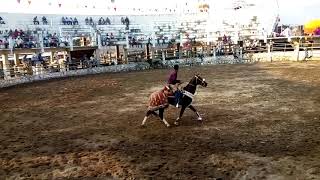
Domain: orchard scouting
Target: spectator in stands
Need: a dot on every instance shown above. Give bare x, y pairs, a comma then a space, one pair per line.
19, 42
75, 21
225, 40
87, 21
44, 20
108, 21
64, 21
2, 21
1, 44
127, 21
67, 20
70, 22
122, 21
35, 21
46, 42
91, 21
6, 43
100, 22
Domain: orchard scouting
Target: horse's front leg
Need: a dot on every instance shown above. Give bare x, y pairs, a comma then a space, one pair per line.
194, 110
180, 115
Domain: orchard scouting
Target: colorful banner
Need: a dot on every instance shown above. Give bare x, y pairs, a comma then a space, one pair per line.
311, 27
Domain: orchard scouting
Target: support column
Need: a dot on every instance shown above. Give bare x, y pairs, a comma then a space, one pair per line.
125, 55
99, 42
17, 68
117, 53
16, 59
163, 55
127, 40
148, 54
296, 53
179, 50
51, 57
153, 57
269, 52
6, 66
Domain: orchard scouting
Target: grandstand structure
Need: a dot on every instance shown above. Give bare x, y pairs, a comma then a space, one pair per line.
205, 20
117, 30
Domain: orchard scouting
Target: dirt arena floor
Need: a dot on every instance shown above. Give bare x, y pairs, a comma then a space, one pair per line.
262, 121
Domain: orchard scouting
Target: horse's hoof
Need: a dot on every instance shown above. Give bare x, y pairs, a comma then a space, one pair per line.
199, 119
176, 123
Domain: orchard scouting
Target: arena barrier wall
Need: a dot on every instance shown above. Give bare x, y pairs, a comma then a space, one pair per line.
56, 75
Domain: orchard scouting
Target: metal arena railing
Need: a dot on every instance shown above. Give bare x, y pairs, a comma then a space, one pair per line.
227, 54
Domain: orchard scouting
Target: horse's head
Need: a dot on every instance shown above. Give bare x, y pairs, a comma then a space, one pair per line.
200, 81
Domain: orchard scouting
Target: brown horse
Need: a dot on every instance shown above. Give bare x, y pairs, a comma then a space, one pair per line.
185, 101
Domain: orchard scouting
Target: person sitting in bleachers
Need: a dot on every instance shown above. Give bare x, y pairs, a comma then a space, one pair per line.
67, 20
2, 21
100, 22
1, 44
70, 22
127, 21
122, 21
87, 21
75, 21
6, 43
64, 21
91, 21
108, 21
44, 20
19, 42
35, 21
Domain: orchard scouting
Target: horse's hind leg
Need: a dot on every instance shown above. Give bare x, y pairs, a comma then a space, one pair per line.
146, 117
194, 110
161, 112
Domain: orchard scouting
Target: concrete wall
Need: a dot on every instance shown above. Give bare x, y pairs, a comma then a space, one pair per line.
82, 72
283, 56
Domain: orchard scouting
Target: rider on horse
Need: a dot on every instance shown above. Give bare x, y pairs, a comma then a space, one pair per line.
174, 83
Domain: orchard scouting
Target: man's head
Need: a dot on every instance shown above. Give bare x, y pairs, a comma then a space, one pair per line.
176, 67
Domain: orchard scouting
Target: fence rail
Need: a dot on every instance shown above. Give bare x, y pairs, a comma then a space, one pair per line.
203, 54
